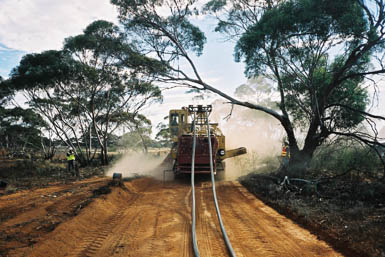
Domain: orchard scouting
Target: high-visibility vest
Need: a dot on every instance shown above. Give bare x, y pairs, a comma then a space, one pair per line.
71, 157
284, 151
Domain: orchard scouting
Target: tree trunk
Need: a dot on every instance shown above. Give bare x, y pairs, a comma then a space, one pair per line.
90, 140
145, 148
300, 159
102, 158
299, 163
104, 153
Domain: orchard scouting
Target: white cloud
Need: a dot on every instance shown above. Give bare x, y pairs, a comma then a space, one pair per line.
37, 25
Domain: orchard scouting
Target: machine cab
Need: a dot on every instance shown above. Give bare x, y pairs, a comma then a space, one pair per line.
178, 120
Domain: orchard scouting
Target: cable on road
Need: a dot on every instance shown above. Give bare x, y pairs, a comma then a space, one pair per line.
194, 236
227, 241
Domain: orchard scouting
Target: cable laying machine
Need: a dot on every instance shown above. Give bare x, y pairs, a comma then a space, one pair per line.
181, 131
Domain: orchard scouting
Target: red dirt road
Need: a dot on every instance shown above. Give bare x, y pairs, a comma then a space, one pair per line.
147, 218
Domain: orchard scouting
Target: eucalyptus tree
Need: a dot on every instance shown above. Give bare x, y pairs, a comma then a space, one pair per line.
138, 135
20, 129
38, 77
112, 94
163, 136
6, 93
84, 90
320, 53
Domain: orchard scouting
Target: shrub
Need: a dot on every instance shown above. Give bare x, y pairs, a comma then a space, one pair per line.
342, 157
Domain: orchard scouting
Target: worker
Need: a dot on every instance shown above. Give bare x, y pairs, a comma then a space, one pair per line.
285, 155
71, 162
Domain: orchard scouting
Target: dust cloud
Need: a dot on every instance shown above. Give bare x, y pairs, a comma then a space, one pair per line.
258, 132
134, 164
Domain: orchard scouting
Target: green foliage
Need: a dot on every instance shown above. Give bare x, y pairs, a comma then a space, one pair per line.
350, 93
132, 140
170, 34
20, 128
43, 70
139, 136
94, 86
101, 37
319, 52
233, 16
339, 158
107, 44
163, 136
215, 6
6, 93
302, 21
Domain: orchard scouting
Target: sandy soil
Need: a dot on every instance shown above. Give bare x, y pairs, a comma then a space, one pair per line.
146, 218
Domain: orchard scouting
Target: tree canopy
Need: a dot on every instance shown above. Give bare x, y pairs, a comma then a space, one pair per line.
320, 54
85, 91
20, 128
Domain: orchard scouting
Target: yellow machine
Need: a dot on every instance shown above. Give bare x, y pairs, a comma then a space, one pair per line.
181, 131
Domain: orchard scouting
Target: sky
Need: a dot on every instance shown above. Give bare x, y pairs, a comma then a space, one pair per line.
9, 58
32, 26
36, 25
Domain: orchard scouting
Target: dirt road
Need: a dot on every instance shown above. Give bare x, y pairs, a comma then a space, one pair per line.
148, 218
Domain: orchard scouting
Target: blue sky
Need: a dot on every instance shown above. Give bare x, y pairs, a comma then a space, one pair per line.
9, 58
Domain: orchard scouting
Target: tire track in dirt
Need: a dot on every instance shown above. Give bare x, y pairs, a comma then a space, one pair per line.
154, 228
150, 218
154, 231
121, 240
186, 227
95, 239
276, 236
247, 238
210, 239
186, 242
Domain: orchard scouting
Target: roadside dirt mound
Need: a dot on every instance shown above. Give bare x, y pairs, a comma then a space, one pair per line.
148, 218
